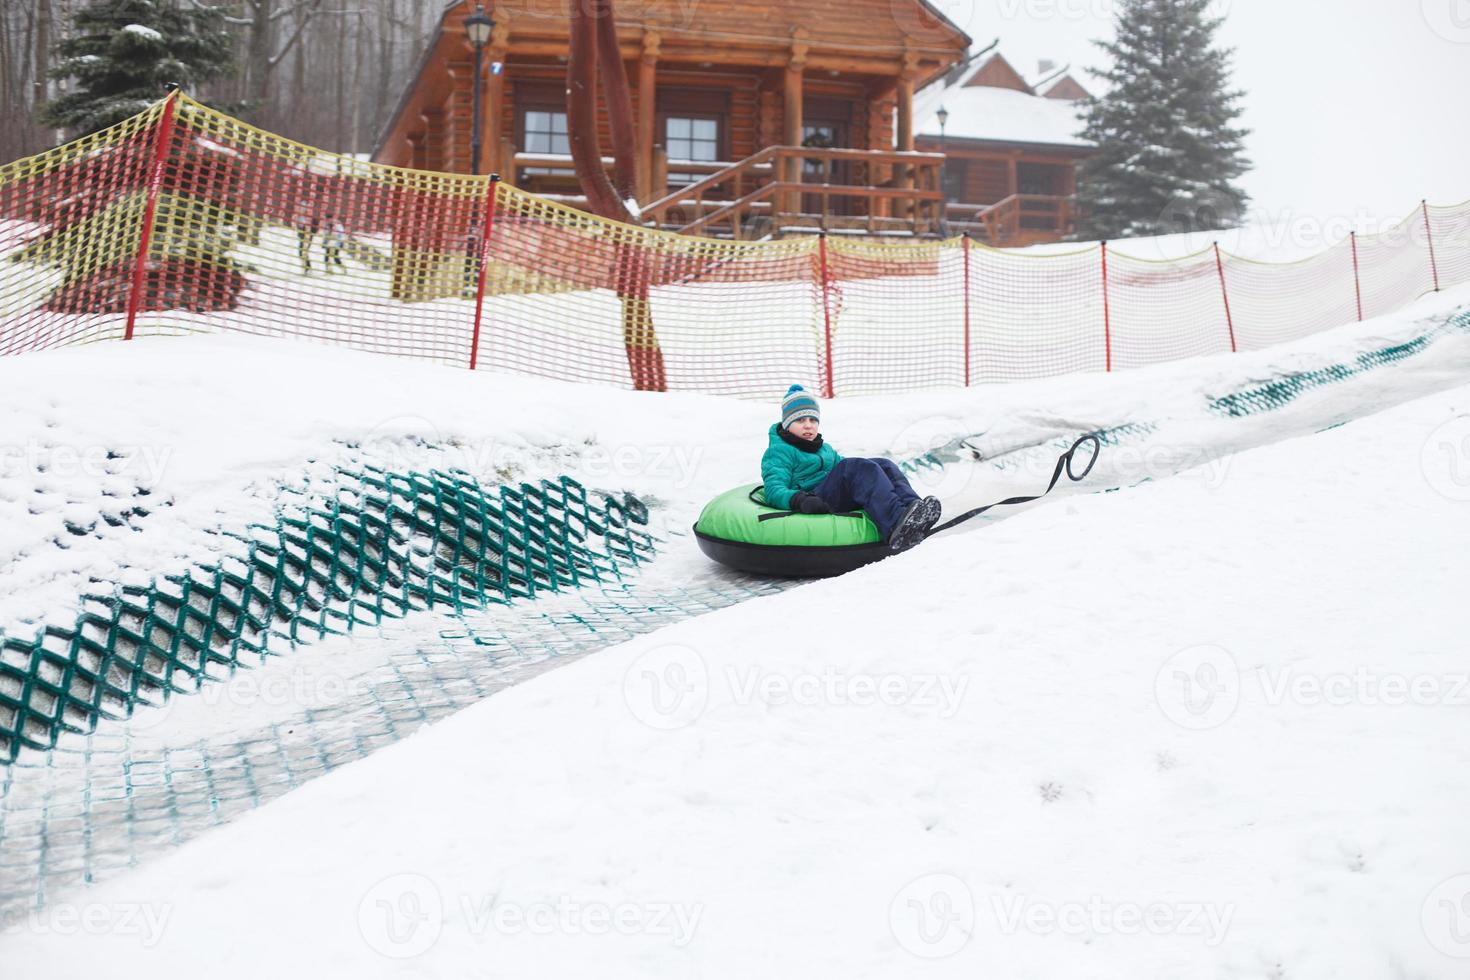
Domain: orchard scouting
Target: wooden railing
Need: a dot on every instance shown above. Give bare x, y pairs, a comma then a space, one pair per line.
1020, 219
794, 188
786, 187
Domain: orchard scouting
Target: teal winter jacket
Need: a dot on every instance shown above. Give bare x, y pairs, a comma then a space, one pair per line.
791, 467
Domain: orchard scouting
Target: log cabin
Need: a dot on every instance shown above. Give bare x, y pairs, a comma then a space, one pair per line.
752, 118
764, 118
1010, 147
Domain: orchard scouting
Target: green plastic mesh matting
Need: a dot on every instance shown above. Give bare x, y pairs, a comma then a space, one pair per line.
381, 545
1286, 388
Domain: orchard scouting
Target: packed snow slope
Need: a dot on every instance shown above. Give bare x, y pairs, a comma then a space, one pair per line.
1208, 725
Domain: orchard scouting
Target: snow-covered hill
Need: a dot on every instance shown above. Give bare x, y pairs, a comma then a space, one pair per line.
1204, 726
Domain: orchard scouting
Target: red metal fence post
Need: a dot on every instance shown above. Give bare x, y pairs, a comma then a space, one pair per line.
1107, 310
484, 249
826, 312
150, 209
1357, 279
1429, 234
967, 308
1225, 294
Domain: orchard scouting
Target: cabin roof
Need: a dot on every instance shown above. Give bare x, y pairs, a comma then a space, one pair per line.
1001, 115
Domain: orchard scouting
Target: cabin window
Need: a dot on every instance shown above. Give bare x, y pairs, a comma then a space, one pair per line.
956, 179
691, 138
544, 131
1046, 179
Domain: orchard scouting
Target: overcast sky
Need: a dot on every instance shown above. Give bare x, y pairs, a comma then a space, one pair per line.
1356, 106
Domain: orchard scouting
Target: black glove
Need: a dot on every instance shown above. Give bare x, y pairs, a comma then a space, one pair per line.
810, 503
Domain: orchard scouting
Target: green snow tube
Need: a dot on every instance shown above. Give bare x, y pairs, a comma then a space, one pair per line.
739, 529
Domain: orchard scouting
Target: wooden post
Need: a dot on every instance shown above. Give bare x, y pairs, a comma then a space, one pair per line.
648, 189
1357, 279
1107, 311
488, 226
1429, 234
1225, 294
507, 161
791, 130
660, 171
905, 123
966, 246
826, 311
150, 209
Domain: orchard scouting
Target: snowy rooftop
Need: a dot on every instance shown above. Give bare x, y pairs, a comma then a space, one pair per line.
1003, 115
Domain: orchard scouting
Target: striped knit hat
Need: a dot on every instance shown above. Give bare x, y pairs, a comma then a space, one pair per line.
798, 404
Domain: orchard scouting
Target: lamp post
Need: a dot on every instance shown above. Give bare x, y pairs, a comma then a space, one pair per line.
943, 116
477, 27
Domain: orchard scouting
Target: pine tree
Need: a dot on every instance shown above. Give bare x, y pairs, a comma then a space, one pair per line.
1169, 151
122, 54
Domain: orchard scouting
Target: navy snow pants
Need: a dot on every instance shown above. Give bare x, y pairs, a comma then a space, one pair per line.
877, 486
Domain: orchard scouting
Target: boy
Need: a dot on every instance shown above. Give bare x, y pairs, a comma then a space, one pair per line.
803, 474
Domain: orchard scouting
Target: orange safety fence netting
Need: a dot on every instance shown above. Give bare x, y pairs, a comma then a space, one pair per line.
183, 220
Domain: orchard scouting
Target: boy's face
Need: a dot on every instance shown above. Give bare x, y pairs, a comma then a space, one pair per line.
805, 428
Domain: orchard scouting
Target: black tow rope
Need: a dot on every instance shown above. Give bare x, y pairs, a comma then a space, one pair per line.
1064, 465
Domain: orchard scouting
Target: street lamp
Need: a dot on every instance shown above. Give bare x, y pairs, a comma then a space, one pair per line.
943, 116
477, 27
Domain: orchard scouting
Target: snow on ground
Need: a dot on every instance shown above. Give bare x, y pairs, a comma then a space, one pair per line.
1208, 726
1202, 726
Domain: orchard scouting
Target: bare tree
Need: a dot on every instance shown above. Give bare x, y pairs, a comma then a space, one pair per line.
593, 51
